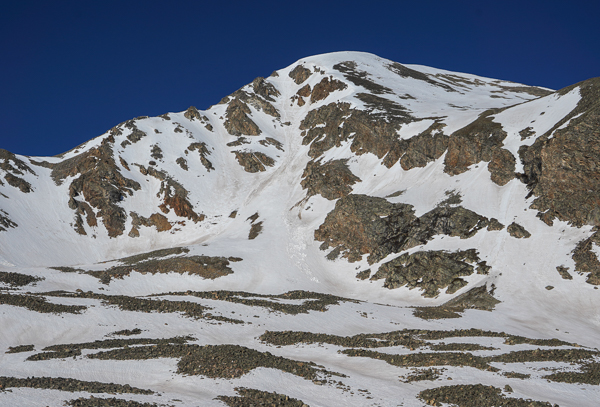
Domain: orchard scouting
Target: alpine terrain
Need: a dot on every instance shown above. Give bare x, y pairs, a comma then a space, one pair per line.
348, 231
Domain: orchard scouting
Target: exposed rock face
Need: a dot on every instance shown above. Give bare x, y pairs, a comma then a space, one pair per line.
156, 152
238, 122
5, 222
270, 141
256, 227
175, 197
562, 171
259, 97
17, 182
193, 114
518, 231
332, 124
265, 89
502, 166
203, 152
586, 260
252, 397
182, 163
361, 224
419, 150
332, 180
299, 74
474, 143
156, 219
564, 272
133, 137
429, 271
253, 161
324, 88
12, 166
100, 184
476, 298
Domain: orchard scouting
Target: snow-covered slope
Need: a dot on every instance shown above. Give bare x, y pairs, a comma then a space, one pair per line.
345, 194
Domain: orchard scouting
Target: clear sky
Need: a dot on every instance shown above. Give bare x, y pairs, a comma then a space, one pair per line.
70, 70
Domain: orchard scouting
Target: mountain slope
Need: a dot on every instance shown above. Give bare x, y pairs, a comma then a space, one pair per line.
344, 183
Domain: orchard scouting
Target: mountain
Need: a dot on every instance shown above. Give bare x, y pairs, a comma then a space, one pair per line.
347, 231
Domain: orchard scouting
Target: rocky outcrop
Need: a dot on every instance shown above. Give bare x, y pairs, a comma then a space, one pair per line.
429, 271
13, 167
261, 94
255, 228
175, 197
98, 184
325, 88
18, 182
156, 152
586, 260
193, 114
265, 89
160, 222
361, 224
419, 150
253, 161
475, 143
502, 166
562, 167
133, 137
299, 74
182, 163
5, 222
303, 92
253, 397
331, 180
518, 231
331, 125
270, 141
203, 152
238, 122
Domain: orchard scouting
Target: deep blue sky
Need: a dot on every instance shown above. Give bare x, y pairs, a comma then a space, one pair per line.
70, 70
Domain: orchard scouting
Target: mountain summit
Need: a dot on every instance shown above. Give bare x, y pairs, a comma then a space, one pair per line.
344, 203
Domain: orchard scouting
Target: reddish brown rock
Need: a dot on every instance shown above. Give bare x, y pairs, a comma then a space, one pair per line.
299, 74
98, 184
502, 166
325, 87
160, 221
238, 122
